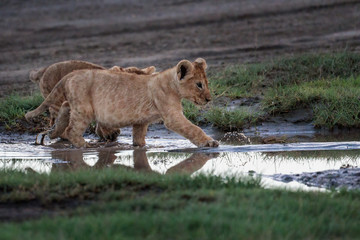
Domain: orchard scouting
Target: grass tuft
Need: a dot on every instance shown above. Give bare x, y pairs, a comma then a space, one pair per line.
14, 107
309, 67
238, 81
232, 120
335, 102
343, 112
191, 111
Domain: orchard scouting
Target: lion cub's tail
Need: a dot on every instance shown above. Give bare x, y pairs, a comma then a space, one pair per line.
55, 98
35, 75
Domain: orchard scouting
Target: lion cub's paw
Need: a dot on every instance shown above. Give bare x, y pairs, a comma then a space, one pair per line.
212, 155
210, 143
113, 136
28, 117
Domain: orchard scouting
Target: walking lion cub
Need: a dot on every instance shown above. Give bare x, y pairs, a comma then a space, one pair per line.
117, 100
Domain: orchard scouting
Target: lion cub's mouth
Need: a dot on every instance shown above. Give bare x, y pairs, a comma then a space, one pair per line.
200, 104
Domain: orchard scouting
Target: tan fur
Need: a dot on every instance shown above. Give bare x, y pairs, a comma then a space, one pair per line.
112, 100
35, 75
144, 71
49, 76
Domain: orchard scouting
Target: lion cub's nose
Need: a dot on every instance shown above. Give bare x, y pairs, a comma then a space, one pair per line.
208, 99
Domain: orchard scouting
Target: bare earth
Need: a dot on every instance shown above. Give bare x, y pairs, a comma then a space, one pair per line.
142, 33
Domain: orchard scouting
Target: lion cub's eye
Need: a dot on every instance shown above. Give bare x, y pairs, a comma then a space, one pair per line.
199, 85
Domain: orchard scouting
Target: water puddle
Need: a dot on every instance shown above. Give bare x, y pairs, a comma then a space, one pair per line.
306, 165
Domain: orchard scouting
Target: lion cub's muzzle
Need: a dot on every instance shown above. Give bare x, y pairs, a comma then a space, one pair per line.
203, 101
207, 98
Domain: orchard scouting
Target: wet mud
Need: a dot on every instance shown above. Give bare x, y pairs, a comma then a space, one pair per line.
22, 211
348, 178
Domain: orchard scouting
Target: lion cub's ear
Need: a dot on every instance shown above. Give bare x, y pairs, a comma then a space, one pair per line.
116, 69
183, 69
149, 70
35, 75
202, 62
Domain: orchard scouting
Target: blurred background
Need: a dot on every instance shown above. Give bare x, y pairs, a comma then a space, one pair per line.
142, 33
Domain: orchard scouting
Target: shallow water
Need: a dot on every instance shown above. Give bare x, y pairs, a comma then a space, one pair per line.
167, 153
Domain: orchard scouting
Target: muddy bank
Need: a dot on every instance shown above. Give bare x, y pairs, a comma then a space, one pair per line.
348, 178
23, 211
160, 33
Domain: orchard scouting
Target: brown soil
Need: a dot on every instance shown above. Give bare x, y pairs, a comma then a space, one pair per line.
38, 124
143, 33
22, 211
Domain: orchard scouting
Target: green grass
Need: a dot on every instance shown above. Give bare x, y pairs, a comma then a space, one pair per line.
343, 112
14, 107
238, 81
231, 120
191, 111
128, 205
17, 186
327, 83
335, 101
251, 79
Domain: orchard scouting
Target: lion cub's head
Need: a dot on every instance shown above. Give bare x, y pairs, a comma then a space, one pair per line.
192, 81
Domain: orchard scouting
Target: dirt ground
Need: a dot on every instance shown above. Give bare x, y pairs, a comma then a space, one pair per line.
141, 33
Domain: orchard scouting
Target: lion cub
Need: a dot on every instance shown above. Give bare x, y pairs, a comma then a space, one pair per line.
117, 100
49, 76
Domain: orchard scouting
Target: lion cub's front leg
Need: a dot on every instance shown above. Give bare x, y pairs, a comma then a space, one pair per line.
80, 118
178, 123
139, 133
192, 164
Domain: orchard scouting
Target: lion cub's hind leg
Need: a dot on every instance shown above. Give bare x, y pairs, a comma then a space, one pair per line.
53, 114
62, 121
57, 129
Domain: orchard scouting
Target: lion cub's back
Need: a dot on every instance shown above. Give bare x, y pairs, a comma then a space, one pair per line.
119, 85
105, 85
114, 97
54, 73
